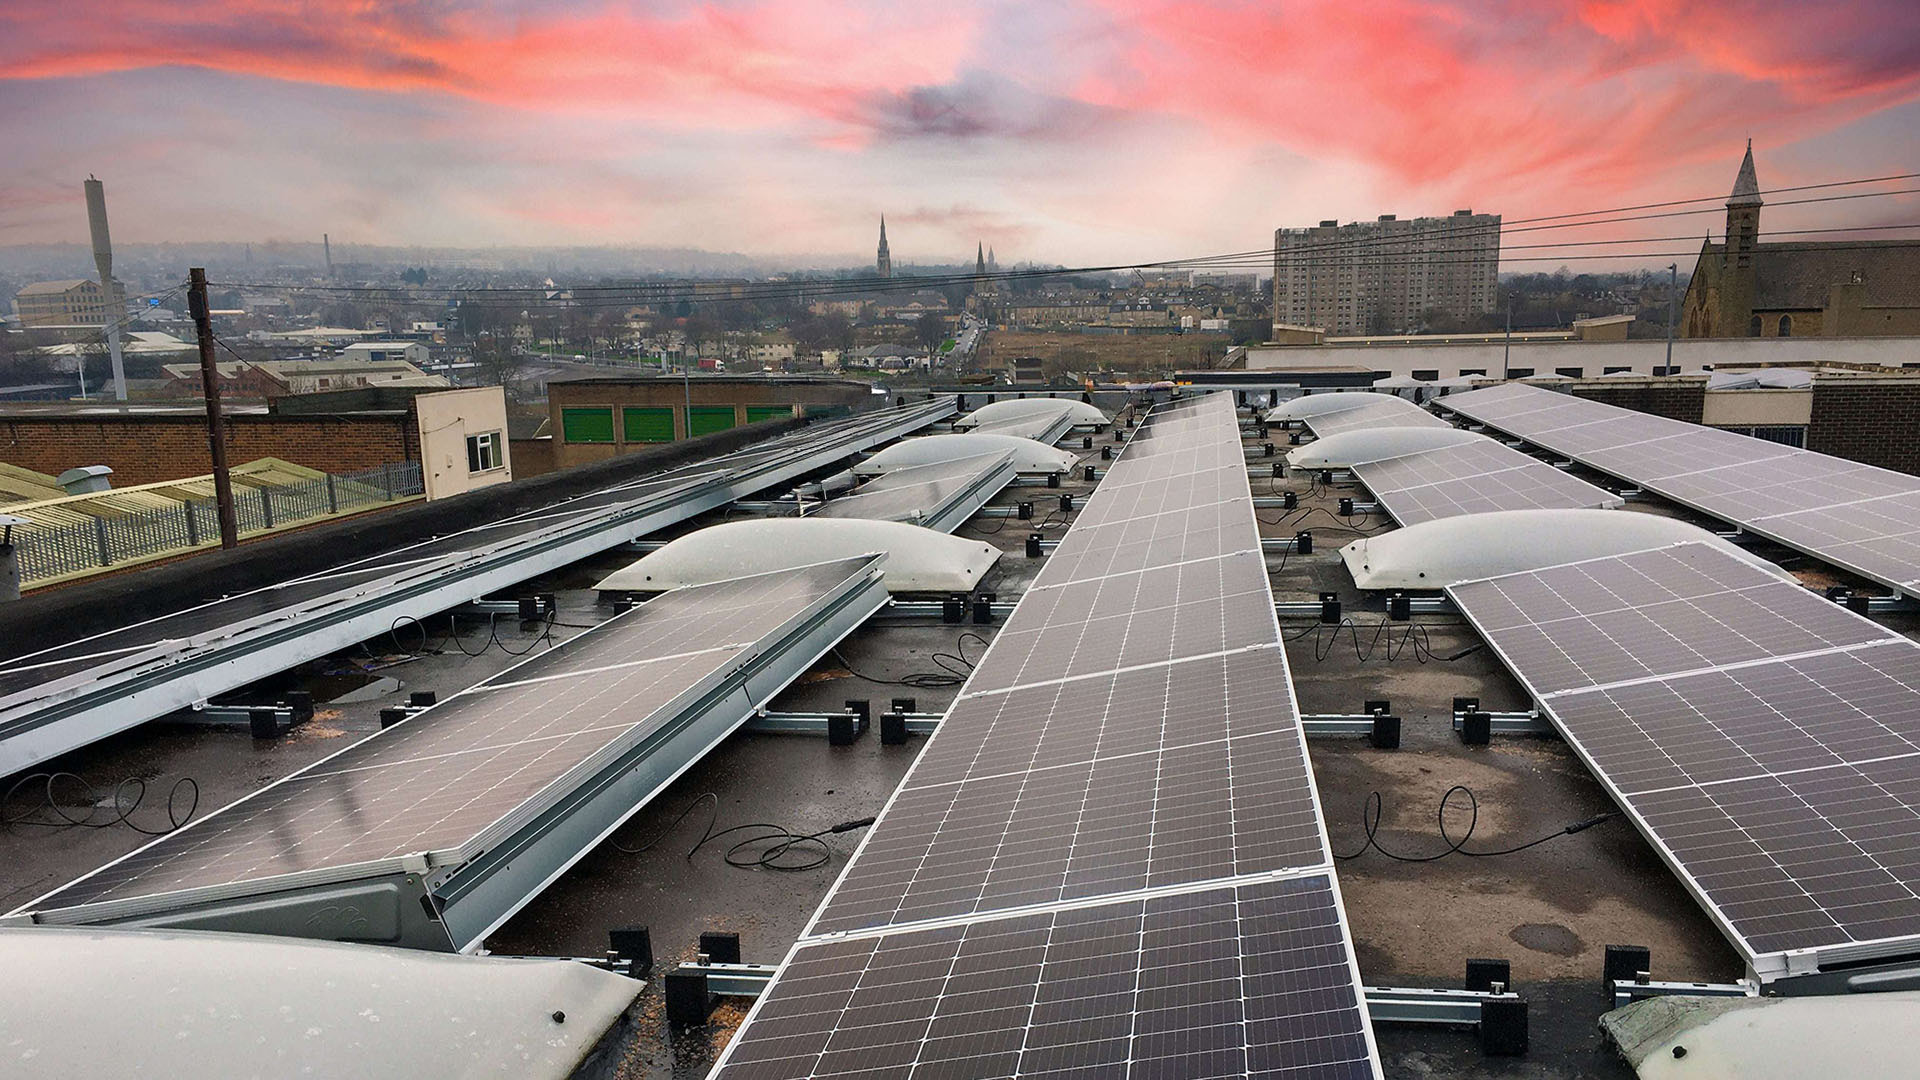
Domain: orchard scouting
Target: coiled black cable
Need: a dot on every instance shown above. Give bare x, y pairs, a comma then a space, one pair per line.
1416, 641
954, 667
1373, 809
773, 848
123, 804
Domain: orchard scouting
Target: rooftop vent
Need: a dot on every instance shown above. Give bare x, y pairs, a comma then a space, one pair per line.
85, 480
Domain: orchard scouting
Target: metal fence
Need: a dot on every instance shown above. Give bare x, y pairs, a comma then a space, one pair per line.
110, 541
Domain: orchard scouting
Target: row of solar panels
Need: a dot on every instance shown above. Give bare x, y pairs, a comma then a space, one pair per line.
1458, 475
54, 699
437, 792
1857, 517
1110, 856
1764, 740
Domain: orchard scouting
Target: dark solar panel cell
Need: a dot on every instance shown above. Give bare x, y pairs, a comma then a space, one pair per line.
1251, 981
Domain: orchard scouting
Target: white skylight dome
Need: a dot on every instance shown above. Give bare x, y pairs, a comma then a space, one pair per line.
1376, 444
1082, 413
919, 559
1028, 455
1435, 554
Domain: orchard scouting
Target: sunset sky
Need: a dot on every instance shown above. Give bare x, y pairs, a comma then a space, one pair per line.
1079, 131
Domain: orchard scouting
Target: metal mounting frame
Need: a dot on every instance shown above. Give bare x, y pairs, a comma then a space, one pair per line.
472, 889
64, 714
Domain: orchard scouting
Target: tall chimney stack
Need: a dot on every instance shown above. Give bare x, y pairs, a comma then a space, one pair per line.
103, 261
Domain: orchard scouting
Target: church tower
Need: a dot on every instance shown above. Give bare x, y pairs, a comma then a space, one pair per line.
883, 263
1737, 285
980, 260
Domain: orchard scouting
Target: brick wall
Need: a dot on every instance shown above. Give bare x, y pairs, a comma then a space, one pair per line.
146, 449
1870, 422
1680, 399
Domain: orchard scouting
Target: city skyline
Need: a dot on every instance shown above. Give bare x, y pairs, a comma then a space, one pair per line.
1150, 131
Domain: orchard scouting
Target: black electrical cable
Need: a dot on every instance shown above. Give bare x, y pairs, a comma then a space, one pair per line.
429, 647
1373, 810
123, 804
1416, 641
777, 844
950, 674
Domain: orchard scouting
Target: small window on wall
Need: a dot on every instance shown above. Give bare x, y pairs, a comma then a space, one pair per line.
1519, 372
1615, 370
1467, 371
1786, 326
1753, 326
483, 452
1427, 374
1572, 372
586, 425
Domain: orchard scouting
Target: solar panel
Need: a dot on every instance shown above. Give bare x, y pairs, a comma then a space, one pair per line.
1389, 411
1045, 427
447, 779
941, 495
1126, 756
1473, 478
1857, 517
55, 697
1247, 981
1765, 740
1659, 612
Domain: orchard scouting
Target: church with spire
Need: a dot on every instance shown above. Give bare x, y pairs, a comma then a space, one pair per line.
1742, 287
883, 262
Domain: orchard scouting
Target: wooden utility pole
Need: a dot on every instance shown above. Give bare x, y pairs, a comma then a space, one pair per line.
216, 424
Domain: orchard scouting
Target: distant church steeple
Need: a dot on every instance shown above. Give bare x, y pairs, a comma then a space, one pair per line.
1743, 215
980, 260
883, 264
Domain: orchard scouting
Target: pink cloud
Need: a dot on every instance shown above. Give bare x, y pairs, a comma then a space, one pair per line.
1474, 96
810, 57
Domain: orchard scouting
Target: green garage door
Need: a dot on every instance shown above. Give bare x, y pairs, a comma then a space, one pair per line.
653, 424
707, 419
757, 413
586, 425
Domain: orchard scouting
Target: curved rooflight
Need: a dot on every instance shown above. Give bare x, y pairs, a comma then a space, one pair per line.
1446, 551
919, 559
1376, 444
1320, 404
1029, 455
201, 1003
1081, 412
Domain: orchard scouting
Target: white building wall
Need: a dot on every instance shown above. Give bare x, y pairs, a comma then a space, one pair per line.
447, 419
1592, 358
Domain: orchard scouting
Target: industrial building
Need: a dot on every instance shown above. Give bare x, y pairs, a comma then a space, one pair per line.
598, 417
75, 302
1334, 734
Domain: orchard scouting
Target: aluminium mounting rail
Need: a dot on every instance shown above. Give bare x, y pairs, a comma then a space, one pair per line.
58, 699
